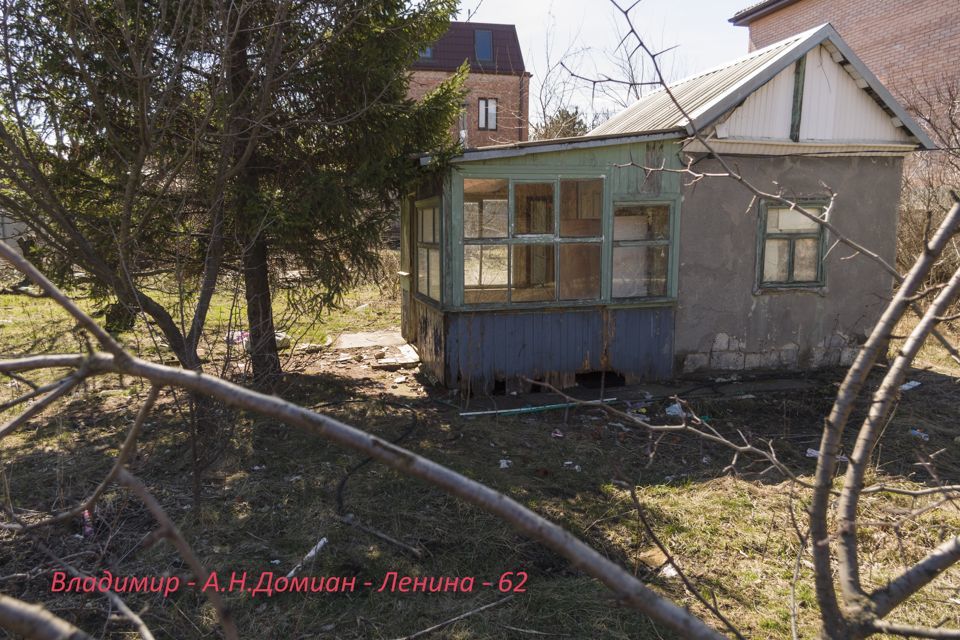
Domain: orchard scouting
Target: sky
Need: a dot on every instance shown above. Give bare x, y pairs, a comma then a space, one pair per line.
585, 32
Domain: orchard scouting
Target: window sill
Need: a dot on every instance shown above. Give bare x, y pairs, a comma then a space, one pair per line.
777, 289
560, 306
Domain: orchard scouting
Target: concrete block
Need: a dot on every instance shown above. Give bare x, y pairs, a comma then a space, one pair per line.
721, 342
753, 361
695, 361
727, 360
848, 355
789, 358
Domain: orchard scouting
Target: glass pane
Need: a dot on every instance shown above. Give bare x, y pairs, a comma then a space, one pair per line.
484, 208
579, 271
485, 273
491, 113
581, 207
782, 220
640, 271
806, 256
532, 273
534, 207
483, 44
433, 258
641, 222
427, 225
776, 256
422, 272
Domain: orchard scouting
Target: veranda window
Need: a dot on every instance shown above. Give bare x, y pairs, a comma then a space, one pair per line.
641, 250
428, 251
532, 241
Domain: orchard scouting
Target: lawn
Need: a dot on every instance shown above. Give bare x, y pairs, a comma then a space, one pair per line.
273, 492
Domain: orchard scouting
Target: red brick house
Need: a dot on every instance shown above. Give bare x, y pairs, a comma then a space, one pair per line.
496, 110
909, 46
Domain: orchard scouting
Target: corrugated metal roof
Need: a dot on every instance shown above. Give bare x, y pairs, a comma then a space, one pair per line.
658, 112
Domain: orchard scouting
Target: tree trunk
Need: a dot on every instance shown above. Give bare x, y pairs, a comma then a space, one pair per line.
263, 342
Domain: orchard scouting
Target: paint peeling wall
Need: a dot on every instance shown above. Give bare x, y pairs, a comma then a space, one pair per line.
555, 345
724, 322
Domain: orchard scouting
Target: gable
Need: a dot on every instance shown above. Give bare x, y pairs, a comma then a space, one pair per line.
835, 107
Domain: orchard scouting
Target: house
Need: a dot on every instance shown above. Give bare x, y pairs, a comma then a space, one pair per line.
552, 260
910, 46
497, 107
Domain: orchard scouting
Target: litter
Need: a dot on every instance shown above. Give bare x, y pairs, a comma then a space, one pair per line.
274, 562
87, 524
675, 410
505, 464
569, 465
545, 407
261, 467
556, 433
669, 571
399, 379
920, 433
307, 558
906, 386
813, 453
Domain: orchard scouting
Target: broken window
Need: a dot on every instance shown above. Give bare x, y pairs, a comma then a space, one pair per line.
641, 250
428, 252
791, 249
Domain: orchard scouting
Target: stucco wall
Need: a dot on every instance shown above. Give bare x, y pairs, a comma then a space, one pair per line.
724, 322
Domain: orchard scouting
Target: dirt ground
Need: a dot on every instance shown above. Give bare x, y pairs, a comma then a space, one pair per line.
273, 493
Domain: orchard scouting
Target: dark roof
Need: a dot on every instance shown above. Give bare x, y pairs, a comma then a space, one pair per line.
751, 13
457, 45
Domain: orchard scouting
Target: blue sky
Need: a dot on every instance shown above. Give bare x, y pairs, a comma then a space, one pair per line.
587, 30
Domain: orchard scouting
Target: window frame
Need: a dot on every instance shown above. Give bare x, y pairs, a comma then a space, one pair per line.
762, 236
476, 44
668, 242
483, 108
437, 245
604, 239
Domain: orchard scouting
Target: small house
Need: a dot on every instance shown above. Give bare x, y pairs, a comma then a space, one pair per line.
552, 260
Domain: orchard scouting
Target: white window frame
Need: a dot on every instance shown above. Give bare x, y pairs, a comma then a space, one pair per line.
487, 114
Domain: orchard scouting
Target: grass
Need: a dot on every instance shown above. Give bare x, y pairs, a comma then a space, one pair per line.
274, 492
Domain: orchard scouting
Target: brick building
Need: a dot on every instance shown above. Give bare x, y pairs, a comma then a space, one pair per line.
496, 108
910, 45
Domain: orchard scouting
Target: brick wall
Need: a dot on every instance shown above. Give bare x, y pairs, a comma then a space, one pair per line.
512, 93
910, 45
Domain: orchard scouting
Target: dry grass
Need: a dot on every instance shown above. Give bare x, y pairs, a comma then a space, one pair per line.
733, 535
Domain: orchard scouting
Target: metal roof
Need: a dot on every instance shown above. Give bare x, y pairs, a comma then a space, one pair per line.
758, 10
457, 45
708, 95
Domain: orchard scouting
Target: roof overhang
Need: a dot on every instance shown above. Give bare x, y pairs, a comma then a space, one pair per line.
560, 144
744, 17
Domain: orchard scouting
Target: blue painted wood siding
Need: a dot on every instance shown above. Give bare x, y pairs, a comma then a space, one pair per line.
485, 346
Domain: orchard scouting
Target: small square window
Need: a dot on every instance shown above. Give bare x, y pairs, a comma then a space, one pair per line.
791, 247
485, 273
427, 53
580, 271
483, 45
581, 208
532, 272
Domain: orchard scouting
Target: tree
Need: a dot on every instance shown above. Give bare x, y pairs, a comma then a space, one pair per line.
334, 153
565, 123
145, 145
